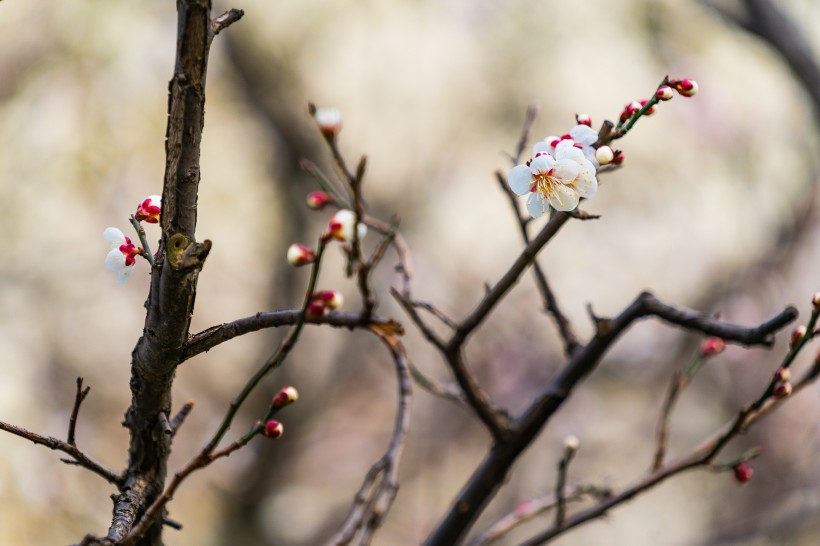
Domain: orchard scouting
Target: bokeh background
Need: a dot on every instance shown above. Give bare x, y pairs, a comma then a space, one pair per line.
715, 209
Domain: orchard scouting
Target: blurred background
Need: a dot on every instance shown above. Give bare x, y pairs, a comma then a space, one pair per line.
716, 209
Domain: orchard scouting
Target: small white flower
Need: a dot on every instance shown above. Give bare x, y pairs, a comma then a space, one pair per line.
121, 257
559, 181
581, 136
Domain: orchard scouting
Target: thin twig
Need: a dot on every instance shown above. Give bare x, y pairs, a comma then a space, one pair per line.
226, 19
80, 458
380, 485
561, 483
78, 399
676, 385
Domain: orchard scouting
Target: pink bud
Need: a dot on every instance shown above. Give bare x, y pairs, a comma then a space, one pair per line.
317, 200
287, 395
299, 255
783, 374
630, 110
782, 389
332, 298
604, 155
664, 92
797, 336
815, 301
650, 110
329, 121
685, 87
341, 225
273, 429
316, 309
712, 346
743, 472
583, 119
149, 209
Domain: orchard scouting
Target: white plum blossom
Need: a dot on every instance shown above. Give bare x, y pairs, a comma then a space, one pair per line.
329, 121
559, 181
581, 136
121, 257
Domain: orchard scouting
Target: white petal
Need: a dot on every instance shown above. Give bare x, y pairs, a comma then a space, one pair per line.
567, 169
115, 260
583, 134
564, 198
155, 199
536, 205
566, 150
124, 274
586, 185
589, 155
114, 236
541, 147
542, 164
520, 179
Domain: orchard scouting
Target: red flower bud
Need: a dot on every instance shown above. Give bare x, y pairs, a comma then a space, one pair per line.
317, 200
712, 346
273, 429
284, 397
743, 472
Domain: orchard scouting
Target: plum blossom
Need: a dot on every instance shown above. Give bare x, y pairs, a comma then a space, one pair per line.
121, 257
581, 136
329, 121
559, 181
149, 209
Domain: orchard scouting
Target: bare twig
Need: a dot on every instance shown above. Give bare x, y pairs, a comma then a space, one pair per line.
79, 458
561, 483
676, 385
226, 19
381, 484
179, 418
78, 399
529, 509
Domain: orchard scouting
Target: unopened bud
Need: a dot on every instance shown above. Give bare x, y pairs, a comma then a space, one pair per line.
685, 87
604, 155
317, 200
782, 389
797, 336
149, 209
712, 346
571, 443
316, 309
583, 119
341, 224
649, 111
286, 396
630, 110
299, 255
329, 121
331, 298
743, 472
664, 92
815, 301
273, 429
783, 374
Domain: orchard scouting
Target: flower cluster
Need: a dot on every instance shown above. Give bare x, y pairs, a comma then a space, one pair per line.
560, 172
122, 253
